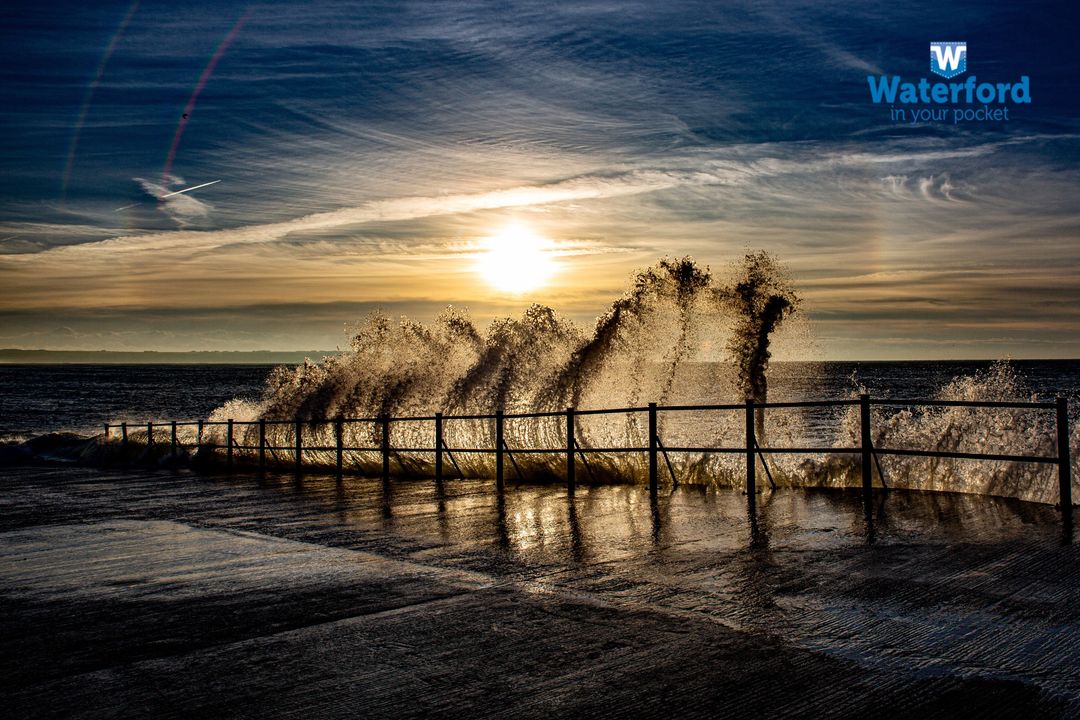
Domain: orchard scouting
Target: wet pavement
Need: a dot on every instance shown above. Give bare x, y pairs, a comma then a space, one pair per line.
133, 593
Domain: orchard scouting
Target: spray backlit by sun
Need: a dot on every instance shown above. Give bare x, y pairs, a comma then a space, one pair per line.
516, 259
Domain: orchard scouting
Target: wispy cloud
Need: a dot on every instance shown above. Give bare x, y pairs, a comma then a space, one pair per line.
688, 172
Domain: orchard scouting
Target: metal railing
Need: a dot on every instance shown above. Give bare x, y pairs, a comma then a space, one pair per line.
573, 450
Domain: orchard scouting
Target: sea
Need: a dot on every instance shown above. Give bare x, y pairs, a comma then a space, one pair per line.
38, 399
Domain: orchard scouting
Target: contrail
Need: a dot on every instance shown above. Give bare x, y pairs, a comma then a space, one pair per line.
188, 189
175, 192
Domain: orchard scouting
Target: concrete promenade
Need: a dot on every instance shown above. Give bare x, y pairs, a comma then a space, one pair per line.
134, 593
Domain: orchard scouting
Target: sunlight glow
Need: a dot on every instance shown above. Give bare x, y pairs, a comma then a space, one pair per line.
516, 259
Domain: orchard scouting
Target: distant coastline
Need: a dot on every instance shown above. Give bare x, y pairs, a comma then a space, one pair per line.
151, 357
13, 356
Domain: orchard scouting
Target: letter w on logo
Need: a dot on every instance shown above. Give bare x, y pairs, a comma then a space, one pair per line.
948, 59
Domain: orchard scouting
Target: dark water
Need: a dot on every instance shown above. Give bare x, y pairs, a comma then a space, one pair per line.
913, 379
40, 398
908, 379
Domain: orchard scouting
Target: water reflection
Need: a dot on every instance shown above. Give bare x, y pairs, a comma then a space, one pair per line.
502, 532
654, 516
577, 548
387, 501
759, 534
341, 504
440, 510
607, 523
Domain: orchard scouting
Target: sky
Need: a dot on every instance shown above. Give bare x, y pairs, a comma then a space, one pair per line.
363, 154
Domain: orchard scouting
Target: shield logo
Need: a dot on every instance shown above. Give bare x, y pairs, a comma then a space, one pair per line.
948, 59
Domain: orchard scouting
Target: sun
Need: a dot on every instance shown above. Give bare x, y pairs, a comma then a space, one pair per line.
516, 259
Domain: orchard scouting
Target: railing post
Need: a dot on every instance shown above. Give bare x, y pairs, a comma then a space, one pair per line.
107, 432
149, 435
385, 422
299, 444
751, 444
570, 479
653, 466
123, 434
198, 438
262, 444
229, 444
339, 441
1064, 462
438, 447
867, 453
172, 440
499, 449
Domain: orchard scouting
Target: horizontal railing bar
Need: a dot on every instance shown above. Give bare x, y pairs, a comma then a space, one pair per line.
469, 450
774, 451
720, 450
691, 408
807, 450
532, 451
967, 456
630, 449
612, 411
805, 403
158, 424
162, 425
676, 449
538, 451
526, 416
965, 403
324, 448
685, 449
884, 402
767, 405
